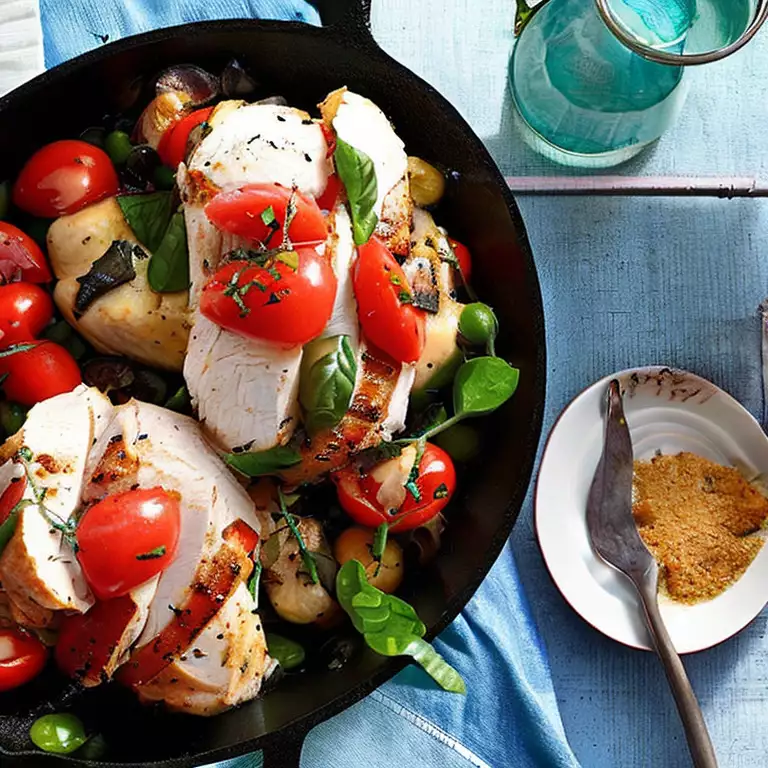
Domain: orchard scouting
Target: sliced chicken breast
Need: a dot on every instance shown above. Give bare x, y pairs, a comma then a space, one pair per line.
224, 667
361, 124
38, 568
245, 390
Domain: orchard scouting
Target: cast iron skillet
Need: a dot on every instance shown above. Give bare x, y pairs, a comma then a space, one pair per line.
304, 63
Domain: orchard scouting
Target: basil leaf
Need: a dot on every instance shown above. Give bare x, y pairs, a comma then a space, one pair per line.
390, 626
358, 174
267, 462
482, 385
326, 386
110, 270
179, 401
148, 216
169, 266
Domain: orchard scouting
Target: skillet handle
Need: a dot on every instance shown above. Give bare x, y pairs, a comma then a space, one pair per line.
286, 753
349, 18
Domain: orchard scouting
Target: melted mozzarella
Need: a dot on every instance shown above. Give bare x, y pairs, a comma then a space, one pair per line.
343, 320
362, 125
264, 143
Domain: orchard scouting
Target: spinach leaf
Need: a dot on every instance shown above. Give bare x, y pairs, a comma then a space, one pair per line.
482, 385
169, 266
390, 626
326, 387
358, 174
267, 462
112, 269
148, 216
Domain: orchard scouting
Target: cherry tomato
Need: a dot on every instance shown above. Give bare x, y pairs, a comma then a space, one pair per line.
436, 483
25, 309
463, 256
21, 257
127, 539
11, 496
64, 177
330, 195
243, 211
173, 143
386, 315
22, 657
287, 305
37, 371
87, 641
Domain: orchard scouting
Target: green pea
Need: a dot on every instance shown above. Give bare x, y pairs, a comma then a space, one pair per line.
5, 199
164, 177
478, 323
12, 417
60, 733
288, 653
118, 146
460, 441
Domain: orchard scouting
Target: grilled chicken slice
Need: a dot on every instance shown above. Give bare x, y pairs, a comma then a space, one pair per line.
131, 319
361, 124
378, 403
38, 568
341, 250
245, 390
224, 667
292, 594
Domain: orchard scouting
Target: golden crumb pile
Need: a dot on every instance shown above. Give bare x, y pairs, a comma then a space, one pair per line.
694, 516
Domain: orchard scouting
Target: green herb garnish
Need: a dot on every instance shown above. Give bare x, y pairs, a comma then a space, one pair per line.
153, 554
306, 556
267, 462
14, 349
169, 266
390, 626
358, 174
268, 216
148, 216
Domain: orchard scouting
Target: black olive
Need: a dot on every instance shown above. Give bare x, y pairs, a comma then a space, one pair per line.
339, 650
94, 135
108, 373
236, 83
139, 171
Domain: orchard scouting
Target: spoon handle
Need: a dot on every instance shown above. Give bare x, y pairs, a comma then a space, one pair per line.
696, 732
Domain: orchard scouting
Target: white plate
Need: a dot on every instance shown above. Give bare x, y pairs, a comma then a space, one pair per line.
670, 411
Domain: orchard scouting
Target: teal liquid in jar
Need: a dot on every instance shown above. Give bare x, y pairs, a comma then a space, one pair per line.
583, 98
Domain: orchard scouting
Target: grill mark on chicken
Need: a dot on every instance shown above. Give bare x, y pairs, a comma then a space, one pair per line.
358, 429
116, 472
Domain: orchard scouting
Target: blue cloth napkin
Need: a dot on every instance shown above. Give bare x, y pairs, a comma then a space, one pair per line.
509, 717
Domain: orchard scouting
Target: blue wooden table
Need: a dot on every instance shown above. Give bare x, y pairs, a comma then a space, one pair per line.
628, 282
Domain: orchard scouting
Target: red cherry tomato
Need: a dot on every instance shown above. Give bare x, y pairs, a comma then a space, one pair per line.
87, 641
330, 195
128, 538
37, 371
173, 143
64, 177
22, 658
240, 213
386, 315
282, 304
21, 257
463, 256
25, 309
11, 496
436, 483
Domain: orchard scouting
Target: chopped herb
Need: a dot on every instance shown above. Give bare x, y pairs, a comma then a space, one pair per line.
413, 476
15, 349
274, 273
273, 299
306, 556
153, 554
441, 491
405, 297
395, 279
289, 258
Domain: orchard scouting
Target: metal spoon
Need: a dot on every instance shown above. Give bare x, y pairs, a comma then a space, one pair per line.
616, 540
